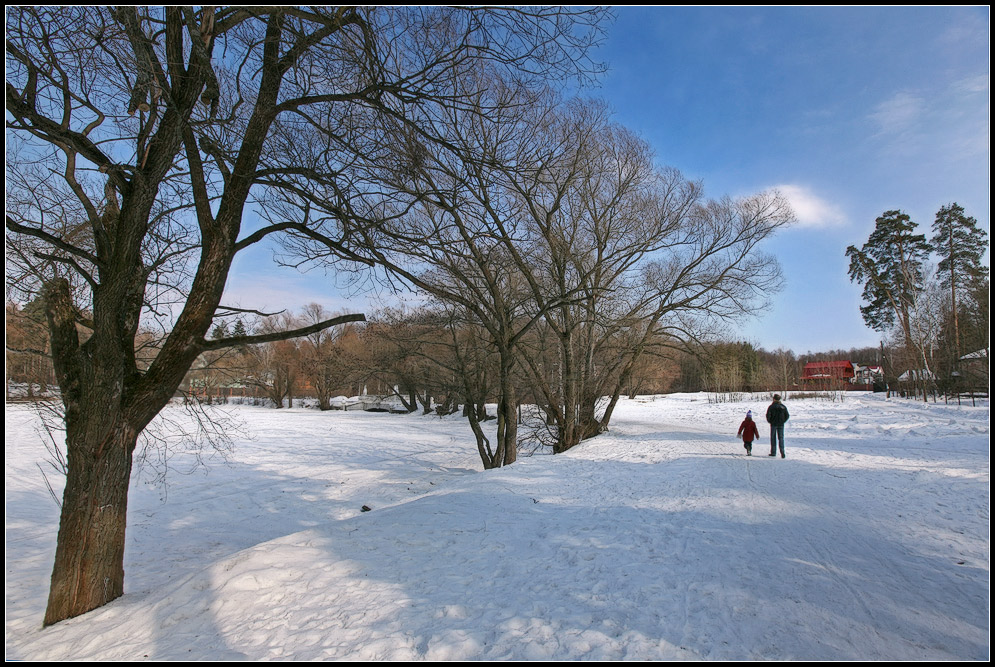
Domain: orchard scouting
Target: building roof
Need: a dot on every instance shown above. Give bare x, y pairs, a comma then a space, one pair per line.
829, 364
820, 370
918, 374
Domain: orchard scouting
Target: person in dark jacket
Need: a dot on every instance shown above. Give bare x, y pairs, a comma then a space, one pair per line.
748, 429
777, 414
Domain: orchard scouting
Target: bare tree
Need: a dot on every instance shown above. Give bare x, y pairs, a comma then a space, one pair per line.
624, 257
449, 235
321, 364
595, 208
784, 371
136, 150
276, 365
569, 226
928, 313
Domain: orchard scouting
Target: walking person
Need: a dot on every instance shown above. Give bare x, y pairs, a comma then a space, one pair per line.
777, 414
748, 429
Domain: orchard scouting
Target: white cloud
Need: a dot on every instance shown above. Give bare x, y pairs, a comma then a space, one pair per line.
971, 85
812, 211
951, 122
900, 114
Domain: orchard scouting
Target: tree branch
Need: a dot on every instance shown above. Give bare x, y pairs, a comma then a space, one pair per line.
53, 241
233, 341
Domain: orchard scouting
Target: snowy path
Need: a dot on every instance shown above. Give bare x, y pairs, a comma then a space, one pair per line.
810, 556
660, 540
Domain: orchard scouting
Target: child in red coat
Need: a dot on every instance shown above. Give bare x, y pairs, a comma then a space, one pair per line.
748, 429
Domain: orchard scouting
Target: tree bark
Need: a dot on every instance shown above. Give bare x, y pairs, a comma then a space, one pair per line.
89, 556
507, 412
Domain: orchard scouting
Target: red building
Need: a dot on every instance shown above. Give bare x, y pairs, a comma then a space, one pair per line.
828, 372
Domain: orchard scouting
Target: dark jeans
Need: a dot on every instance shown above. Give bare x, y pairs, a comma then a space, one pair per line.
776, 434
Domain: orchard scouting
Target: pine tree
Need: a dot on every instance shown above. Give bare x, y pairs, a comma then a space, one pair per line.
220, 330
960, 243
890, 266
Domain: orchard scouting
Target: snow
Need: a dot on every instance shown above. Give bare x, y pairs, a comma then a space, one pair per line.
659, 540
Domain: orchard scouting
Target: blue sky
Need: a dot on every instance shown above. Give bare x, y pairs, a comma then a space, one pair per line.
848, 111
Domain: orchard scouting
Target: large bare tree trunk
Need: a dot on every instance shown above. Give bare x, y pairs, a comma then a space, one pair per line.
89, 557
100, 442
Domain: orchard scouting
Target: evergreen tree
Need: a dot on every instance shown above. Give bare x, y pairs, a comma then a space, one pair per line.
890, 266
960, 243
220, 330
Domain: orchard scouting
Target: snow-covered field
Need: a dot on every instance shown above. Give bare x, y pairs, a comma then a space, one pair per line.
660, 540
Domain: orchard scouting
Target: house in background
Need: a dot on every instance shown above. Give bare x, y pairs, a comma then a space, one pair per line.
917, 382
974, 372
918, 375
869, 377
842, 375
827, 374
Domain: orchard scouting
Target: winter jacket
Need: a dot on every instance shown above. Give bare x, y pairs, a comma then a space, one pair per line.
777, 414
748, 429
